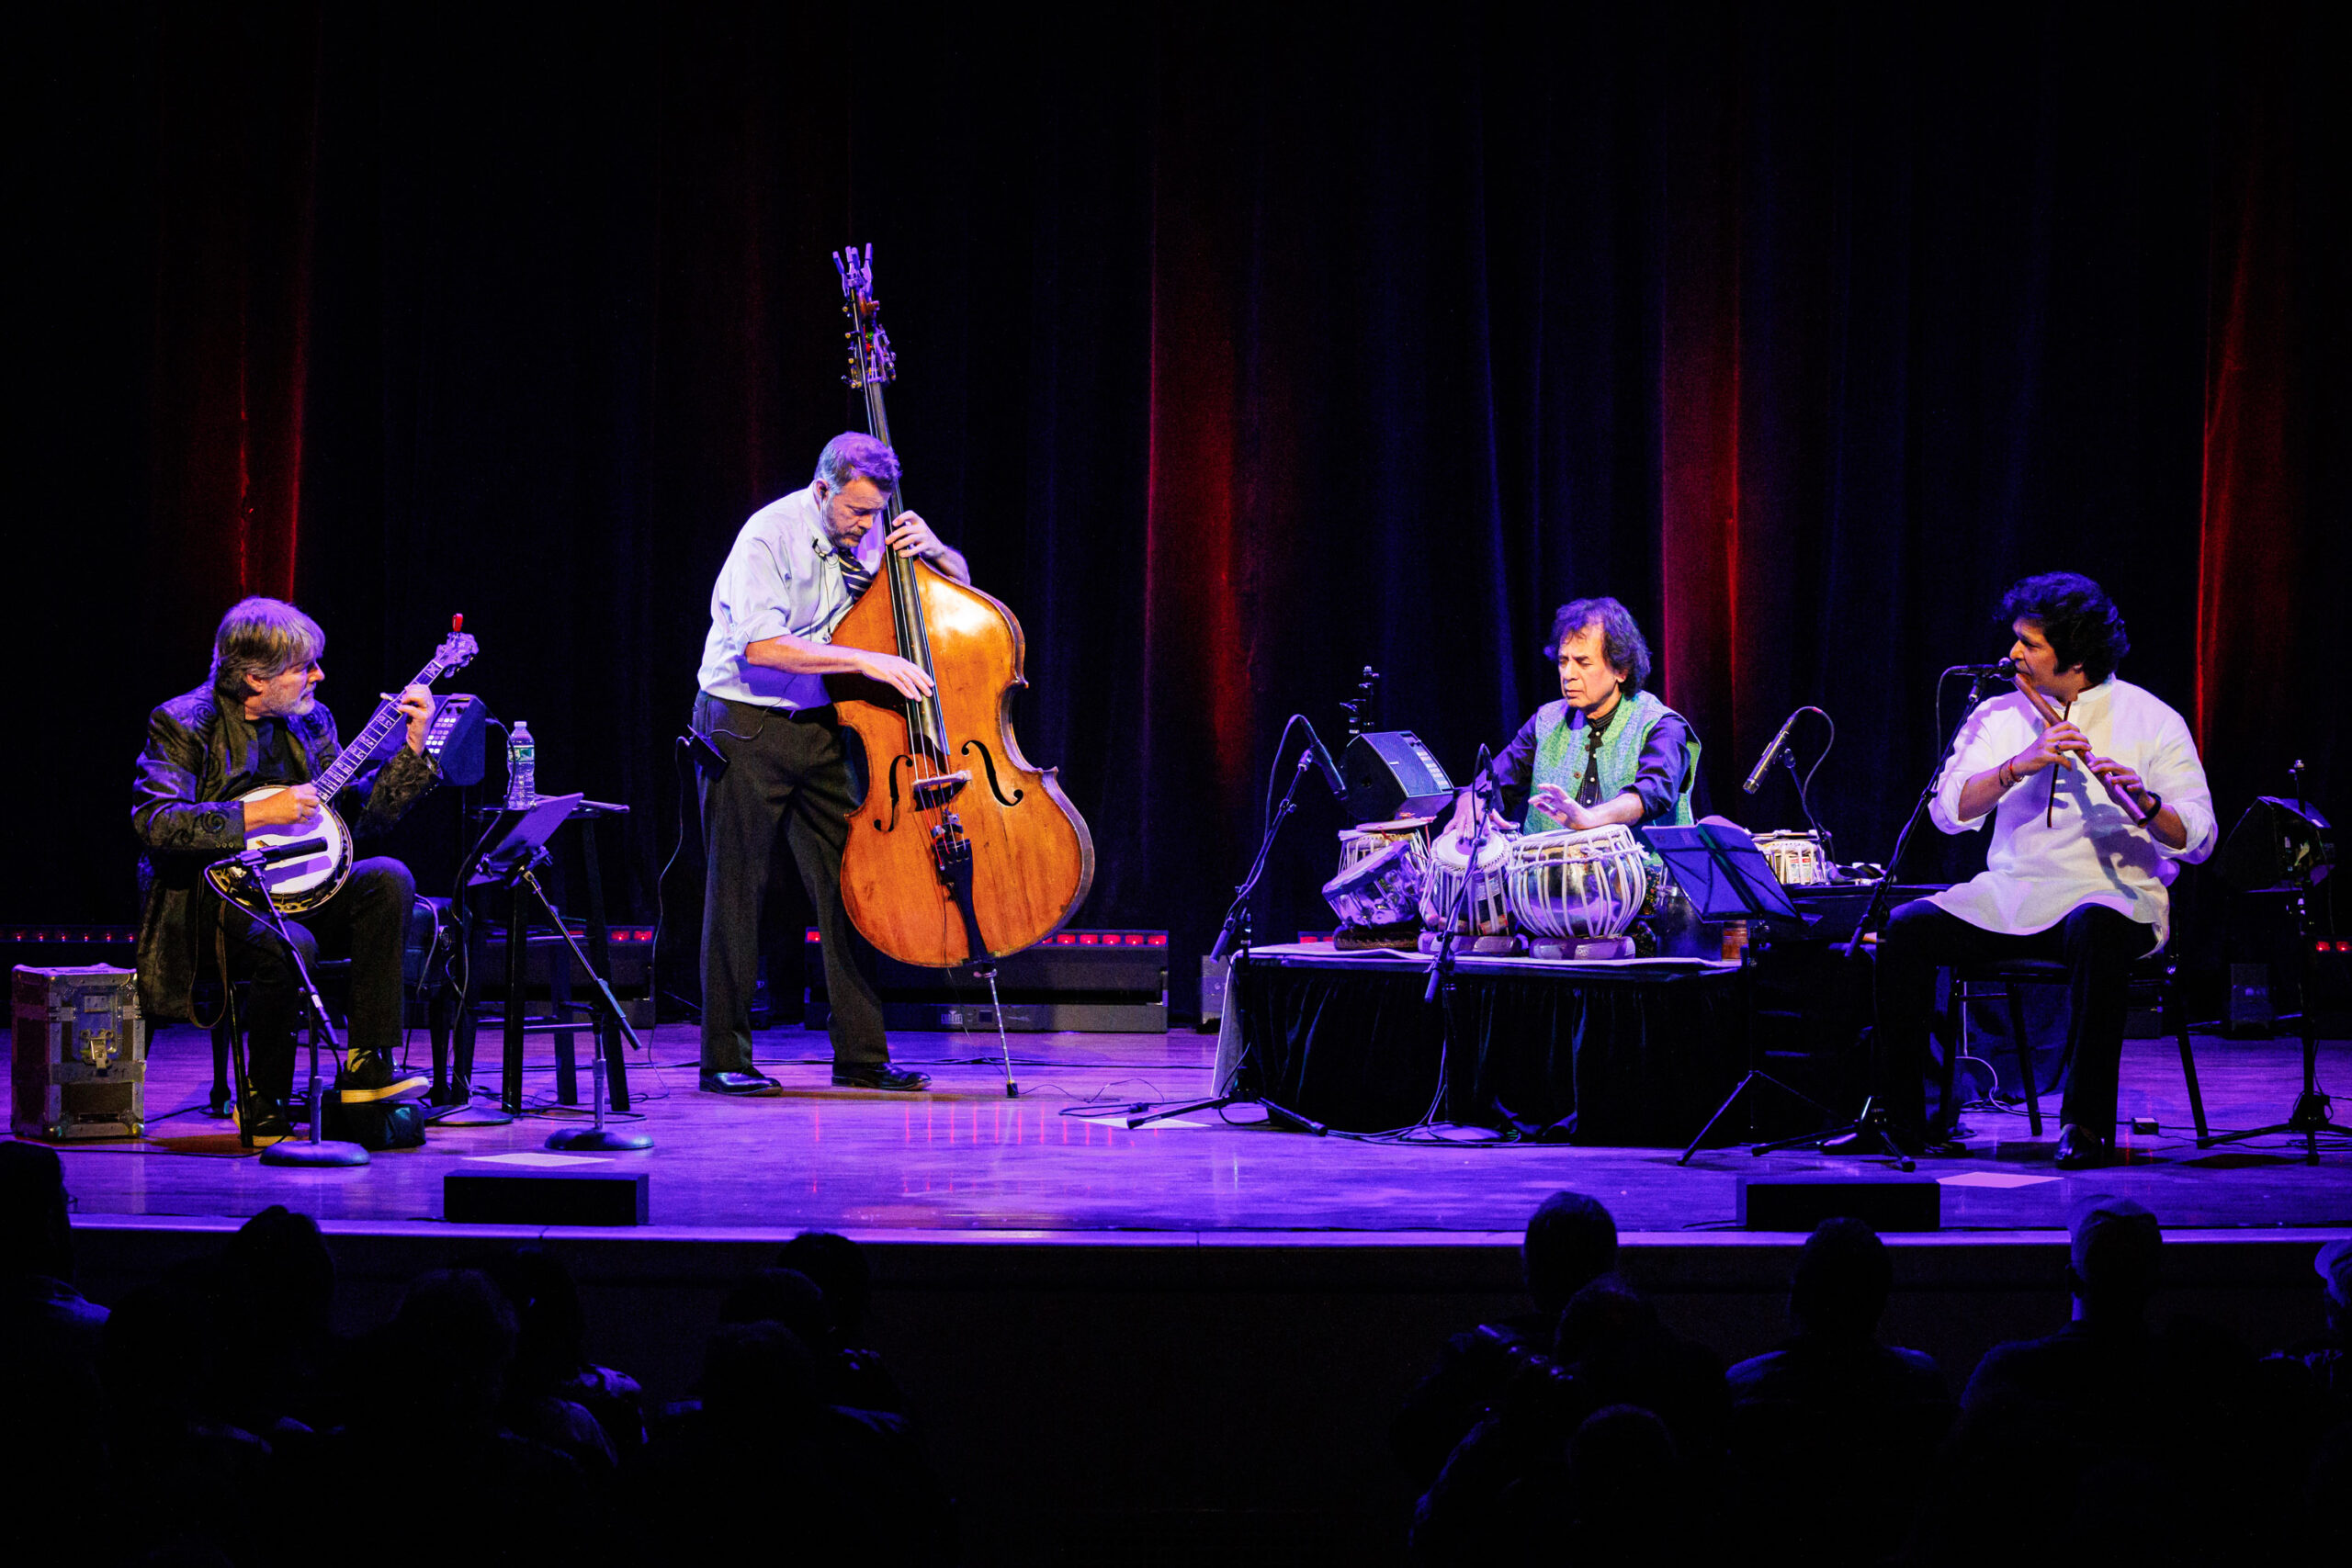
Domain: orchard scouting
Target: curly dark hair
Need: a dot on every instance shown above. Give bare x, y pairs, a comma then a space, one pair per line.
2082, 623
1622, 639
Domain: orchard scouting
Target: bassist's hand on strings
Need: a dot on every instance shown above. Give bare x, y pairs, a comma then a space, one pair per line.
289, 808
912, 538
908, 678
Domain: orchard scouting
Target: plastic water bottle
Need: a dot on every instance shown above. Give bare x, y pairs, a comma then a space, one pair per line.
522, 767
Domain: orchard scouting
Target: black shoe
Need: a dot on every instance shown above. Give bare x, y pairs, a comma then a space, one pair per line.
744, 1085
266, 1122
2080, 1149
367, 1076
881, 1075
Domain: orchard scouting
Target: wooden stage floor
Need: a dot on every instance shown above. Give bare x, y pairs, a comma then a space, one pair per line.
964, 1158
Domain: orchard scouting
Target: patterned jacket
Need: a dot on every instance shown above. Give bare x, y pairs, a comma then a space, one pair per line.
184, 821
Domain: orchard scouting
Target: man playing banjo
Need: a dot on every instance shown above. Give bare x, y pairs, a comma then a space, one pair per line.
257, 723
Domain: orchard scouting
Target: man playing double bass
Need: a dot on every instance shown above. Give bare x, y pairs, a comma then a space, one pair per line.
796, 567
1606, 752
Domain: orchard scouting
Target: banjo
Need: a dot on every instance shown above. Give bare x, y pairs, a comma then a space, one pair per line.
304, 881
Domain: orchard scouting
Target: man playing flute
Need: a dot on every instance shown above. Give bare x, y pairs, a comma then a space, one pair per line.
2071, 876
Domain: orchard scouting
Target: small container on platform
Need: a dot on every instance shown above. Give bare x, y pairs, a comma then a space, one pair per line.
80, 1064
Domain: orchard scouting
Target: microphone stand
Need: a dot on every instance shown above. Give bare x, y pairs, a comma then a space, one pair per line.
1233, 939
1869, 1130
598, 1137
1442, 973
317, 1151
1804, 803
2310, 1117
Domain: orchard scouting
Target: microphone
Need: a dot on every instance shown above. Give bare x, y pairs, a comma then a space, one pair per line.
275, 853
1756, 780
2006, 668
1322, 755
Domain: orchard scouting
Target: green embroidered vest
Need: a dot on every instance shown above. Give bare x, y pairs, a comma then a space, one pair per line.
1560, 755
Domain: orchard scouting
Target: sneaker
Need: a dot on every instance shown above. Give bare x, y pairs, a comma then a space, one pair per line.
367, 1077
881, 1075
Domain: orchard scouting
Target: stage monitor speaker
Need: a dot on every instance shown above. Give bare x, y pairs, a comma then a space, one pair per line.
542, 1198
1802, 1202
454, 736
1390, 774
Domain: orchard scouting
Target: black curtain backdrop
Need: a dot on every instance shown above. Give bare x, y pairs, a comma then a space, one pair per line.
1240, 348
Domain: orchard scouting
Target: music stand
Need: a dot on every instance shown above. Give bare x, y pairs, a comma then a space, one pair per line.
511, 864
1727, 877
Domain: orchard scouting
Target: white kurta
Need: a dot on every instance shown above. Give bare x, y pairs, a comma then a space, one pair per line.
2045, 864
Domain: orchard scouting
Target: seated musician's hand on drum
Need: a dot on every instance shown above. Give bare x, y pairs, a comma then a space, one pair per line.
906, 678
1558, 805
417, 703
1463, 824
287, 808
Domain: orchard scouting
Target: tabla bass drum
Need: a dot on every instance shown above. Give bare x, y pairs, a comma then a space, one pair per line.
1581, 884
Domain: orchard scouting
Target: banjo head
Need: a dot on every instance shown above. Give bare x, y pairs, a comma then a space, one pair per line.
308, 880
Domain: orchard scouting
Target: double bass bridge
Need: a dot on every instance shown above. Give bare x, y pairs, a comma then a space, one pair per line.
933, 793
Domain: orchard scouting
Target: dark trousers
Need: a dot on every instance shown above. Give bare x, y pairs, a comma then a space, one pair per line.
365, 921
2095, 943
788, 770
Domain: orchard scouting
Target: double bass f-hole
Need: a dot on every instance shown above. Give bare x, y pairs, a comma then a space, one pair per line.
988, 760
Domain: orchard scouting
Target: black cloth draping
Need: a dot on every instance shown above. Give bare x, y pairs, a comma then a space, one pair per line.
1626, 1057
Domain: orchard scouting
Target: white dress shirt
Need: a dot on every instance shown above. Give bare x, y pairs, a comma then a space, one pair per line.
2045, 863
783, 575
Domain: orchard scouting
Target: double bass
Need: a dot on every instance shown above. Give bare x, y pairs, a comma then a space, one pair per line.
961, 851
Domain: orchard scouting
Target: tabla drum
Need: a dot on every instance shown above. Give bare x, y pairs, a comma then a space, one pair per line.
1384, 889
1366, 839
1795, 858
1450, 867
1579, 884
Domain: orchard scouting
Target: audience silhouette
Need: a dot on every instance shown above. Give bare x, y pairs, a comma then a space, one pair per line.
1584, 1428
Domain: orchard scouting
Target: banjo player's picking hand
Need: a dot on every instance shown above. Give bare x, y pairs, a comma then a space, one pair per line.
289, 808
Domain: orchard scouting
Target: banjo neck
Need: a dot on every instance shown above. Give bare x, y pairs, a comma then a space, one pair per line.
389, 717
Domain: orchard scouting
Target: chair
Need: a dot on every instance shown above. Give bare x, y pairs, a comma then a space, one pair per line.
2157, 975
422, 1001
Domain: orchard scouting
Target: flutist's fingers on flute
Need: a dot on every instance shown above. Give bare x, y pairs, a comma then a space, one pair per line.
2119, 777
2061, 742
